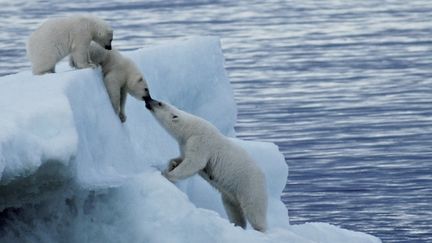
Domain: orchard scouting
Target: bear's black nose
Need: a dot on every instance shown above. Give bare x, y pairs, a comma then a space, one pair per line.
148, 106
147, 98
108, 47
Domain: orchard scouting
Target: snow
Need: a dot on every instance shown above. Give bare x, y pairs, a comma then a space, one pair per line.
70, 170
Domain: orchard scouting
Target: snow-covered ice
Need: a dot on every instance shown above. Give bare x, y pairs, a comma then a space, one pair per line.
71, 172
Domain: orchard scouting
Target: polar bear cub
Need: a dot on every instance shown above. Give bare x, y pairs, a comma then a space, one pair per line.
59, 37
224, 164
120, 76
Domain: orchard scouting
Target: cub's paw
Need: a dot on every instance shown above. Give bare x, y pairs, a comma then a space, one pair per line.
72, 63
173, 164
122, 117
166, 174
92, 65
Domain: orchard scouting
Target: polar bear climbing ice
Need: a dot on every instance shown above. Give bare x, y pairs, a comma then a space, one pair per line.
120, 76
221, 162
59, 37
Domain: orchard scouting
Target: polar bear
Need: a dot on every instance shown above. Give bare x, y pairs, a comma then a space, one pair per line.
120, 76
59, 37
222, 163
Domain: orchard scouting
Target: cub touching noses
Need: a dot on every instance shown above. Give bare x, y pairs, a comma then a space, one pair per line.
121, 76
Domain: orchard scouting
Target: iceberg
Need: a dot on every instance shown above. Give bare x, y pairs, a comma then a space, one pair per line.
70, 171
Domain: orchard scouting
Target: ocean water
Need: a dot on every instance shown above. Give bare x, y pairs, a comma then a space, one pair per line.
343, 87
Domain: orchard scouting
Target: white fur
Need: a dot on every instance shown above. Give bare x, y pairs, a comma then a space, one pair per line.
59, 37
120, 75
224, 164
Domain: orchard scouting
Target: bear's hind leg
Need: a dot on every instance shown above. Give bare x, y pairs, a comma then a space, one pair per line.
44, 66
72, 62
255, 213
234, 212
40, 72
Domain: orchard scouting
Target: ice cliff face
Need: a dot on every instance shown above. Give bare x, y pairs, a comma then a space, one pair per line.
71, 172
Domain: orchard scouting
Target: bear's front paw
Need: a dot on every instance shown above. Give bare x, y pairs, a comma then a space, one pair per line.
122, 117
92, 65
165, 173
72, 63
169, 176
173, 164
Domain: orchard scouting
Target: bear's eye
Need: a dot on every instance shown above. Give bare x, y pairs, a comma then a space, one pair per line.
174, 117
160, 104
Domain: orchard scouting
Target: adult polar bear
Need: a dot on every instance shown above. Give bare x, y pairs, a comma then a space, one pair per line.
59, 37
224, 164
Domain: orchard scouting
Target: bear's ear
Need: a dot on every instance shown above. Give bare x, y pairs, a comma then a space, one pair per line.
174, 117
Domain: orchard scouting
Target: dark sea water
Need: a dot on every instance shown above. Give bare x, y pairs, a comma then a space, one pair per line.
343, 87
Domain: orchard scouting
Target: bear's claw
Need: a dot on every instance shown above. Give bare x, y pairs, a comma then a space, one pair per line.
122, 117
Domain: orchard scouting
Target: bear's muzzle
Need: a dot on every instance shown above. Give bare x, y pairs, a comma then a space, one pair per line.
148, 101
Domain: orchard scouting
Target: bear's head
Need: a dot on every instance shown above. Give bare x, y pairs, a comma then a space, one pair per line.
179, 124
138, 88
171, 118
104, 34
